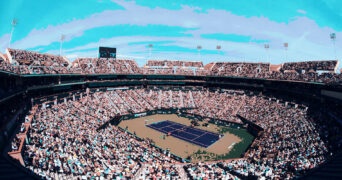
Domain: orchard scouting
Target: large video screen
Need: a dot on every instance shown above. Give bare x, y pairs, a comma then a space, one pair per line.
107, 52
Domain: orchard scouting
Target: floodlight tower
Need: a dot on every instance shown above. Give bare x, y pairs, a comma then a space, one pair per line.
14, 23
286, 45
333, 39
267, 46
61, 44
199, 47
150, 46
218, 47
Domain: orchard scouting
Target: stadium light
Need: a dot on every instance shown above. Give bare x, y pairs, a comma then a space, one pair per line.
61, 44
150, 46
14, 24
199, 47
286, 45
267, 46
333, 39
218, 47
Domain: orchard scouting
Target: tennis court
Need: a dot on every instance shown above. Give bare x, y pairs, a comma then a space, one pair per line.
187, 133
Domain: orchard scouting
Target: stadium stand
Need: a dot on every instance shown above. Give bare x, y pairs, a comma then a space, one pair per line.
240, 69
106, 66
28, 62
161, 70
173, 67
62, 139
207, 170
37, 63
289, 146
169, 63
30, 58
311, 65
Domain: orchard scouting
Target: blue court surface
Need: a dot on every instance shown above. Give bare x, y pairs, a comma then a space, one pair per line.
196, 136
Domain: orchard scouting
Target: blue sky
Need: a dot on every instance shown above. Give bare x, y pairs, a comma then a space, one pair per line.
176, 28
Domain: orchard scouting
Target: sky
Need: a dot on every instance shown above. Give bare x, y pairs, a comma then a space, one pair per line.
176, 29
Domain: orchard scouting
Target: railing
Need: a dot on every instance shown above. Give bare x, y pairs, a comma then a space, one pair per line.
17, 154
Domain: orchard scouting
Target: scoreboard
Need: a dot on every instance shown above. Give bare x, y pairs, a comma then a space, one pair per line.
107, 52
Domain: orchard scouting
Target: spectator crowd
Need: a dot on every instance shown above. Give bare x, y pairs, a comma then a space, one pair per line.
28, 62
65, 138
168, 63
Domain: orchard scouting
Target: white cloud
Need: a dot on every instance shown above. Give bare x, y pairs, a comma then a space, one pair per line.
301, 11
306, 39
